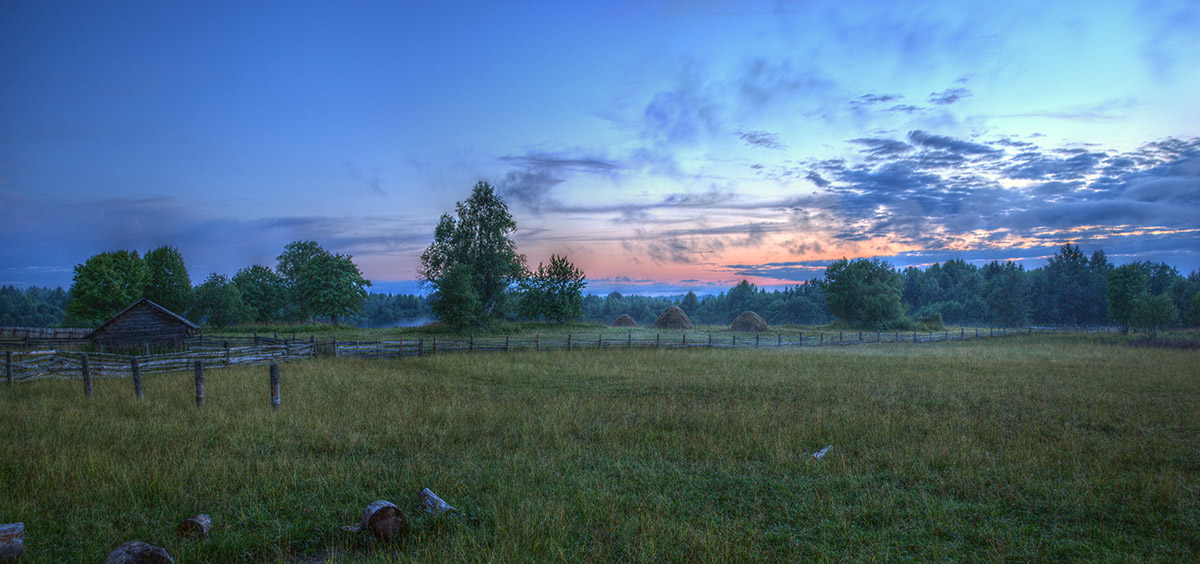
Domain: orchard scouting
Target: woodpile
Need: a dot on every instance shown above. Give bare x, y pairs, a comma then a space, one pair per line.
624, 321
673, 318
750, 322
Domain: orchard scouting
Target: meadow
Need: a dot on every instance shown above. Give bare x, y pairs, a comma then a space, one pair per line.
1030, 448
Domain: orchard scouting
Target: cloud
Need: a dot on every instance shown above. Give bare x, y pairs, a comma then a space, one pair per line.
536, 174
949, 96
926, 139
764, 139
882, 147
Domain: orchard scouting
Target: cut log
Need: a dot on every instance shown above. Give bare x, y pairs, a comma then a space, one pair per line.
12, 541
431, 504
138, 552
381, 518
196, 526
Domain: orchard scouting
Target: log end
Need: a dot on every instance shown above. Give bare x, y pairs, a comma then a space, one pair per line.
384, 520
12, 541
138, 552
197, 526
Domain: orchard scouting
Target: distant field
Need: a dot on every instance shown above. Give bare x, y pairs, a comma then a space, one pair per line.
1042, 448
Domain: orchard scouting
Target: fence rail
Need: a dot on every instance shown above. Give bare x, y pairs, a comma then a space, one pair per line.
34, 365
218, 351
670, 339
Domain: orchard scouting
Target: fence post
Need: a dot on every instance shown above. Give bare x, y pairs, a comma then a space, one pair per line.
137, 376
539, 342
471, 345
421, 346
756, 340
822, 338
146, 348
735, 341
878, 336
435, 344
657, 340
841, 336
710, 338
600, 341
914, 337
860, 337
199, 384
335, 347
506, 342
779, 340
8, 367
256, 337
274, 386
227, 360
87, 376
629, 340
802, 338
568, 340
685, 338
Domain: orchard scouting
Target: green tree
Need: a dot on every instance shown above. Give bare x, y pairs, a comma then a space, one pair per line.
320, 283
167, 281
332, 286
1152, 314
478, 239
218, 302
690, 303
554, 291
864, 293
455, 302
1006, 293
263, 291
1126, 285
104, 286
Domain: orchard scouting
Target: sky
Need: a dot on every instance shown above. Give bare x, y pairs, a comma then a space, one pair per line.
661, 146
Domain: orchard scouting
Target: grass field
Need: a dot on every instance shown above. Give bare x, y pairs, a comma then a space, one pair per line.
1043, 448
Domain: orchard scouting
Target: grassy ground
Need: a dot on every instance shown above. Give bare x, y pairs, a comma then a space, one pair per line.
1050, 448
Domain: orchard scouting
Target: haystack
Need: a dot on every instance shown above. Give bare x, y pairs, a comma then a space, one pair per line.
750, 322
624, 321
673, 318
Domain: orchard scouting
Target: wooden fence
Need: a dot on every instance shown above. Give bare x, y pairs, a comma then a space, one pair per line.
668, 339
32, 365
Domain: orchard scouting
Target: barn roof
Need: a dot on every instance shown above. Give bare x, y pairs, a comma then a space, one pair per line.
162, 309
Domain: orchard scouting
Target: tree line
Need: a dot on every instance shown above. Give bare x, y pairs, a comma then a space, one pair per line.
476, 277
308, 282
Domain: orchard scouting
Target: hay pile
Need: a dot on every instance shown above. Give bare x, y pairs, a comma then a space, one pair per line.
624, 321
750, 322
673, 318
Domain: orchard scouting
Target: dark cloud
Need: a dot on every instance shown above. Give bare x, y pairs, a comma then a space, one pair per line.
1035, 165
882, 147
764, 139
905, 109
537, 173
949, 96
951, 144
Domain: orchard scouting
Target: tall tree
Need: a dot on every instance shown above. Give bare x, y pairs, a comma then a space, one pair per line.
478, 239
554, 291
332, 286
263, 291
1006, 293
104, 285
864, 293
218, 302
1126, 285
321, 283
167, 281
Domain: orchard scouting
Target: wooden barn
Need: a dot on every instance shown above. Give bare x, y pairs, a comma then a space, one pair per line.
144, 322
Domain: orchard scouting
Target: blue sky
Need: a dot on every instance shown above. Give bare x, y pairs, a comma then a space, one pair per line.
661, 146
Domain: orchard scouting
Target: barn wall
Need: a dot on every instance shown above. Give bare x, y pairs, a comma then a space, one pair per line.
142, 324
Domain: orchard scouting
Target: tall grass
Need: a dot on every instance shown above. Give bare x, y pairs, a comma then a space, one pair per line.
1023, 449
